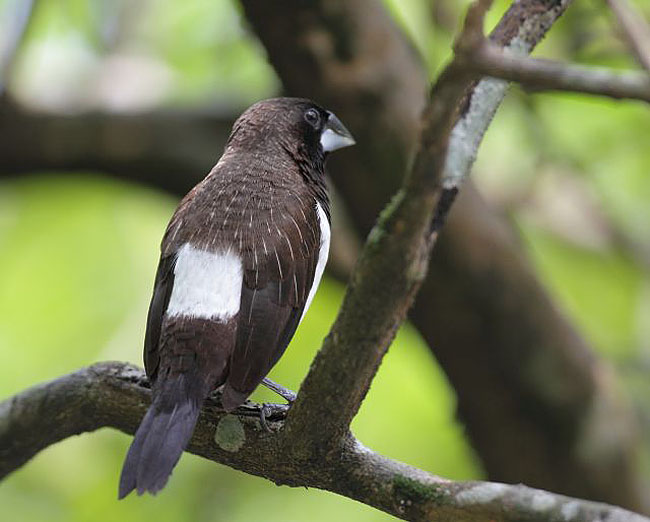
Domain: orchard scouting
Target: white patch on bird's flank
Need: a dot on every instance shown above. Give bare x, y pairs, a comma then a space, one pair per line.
330, 140
323, 253
207, 285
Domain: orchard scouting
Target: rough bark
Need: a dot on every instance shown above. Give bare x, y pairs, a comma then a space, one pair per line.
116, 395
388, 274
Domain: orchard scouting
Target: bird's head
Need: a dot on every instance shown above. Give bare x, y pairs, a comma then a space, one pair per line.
295, 124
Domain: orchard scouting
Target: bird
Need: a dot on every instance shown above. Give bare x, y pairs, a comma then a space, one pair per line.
240, 262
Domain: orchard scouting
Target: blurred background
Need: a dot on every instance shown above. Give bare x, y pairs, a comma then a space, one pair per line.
110, 110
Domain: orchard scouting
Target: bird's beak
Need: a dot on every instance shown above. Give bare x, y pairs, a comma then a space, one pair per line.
335, 135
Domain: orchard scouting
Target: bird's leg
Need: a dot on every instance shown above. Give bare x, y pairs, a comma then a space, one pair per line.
267, 409
283, 392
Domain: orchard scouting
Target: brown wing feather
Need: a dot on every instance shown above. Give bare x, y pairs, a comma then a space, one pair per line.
161, 293
279, 273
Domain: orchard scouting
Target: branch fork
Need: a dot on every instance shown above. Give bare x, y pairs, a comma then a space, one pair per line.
475, 52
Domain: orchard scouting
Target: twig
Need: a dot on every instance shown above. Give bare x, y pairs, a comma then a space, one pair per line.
474, 51
548, 75
635, 30
113, 395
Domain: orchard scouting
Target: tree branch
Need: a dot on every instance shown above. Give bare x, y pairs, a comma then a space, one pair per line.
523, 377
548, 75
171, 150
115, 395
388, 274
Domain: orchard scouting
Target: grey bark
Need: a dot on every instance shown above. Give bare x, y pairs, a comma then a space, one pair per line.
115, 395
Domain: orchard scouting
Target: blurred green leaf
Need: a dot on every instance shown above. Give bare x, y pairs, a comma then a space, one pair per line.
75, 258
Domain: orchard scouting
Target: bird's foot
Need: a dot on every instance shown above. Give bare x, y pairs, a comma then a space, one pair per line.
271, 412
283, 392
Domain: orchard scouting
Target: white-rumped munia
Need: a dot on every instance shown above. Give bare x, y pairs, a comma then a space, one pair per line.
240, 262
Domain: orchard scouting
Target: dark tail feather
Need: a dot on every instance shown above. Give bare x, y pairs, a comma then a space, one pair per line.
130, 467
161, 438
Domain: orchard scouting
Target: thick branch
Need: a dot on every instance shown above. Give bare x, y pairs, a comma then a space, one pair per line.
389, 273
171, 150
114, 395
387, 276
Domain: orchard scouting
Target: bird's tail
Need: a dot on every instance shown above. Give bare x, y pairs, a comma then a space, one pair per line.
162, 436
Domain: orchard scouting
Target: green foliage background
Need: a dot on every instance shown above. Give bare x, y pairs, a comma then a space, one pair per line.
78, 251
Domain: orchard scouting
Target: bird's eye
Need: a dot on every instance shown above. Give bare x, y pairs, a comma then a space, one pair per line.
312, 117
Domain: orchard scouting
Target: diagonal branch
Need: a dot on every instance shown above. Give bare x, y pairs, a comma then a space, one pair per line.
114, 395
389, 272
635, 30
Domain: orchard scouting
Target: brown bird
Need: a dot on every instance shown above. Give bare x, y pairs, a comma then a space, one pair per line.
240, 263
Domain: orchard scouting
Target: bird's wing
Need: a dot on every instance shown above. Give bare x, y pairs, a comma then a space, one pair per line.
161, 292
283, 262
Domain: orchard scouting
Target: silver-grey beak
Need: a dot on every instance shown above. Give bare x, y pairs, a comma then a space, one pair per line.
335, 135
